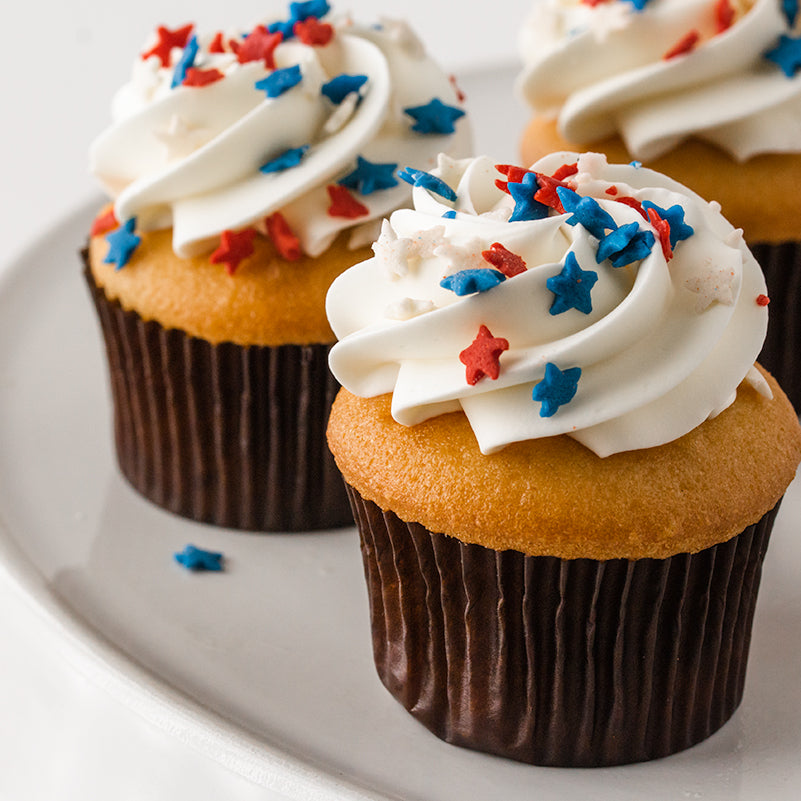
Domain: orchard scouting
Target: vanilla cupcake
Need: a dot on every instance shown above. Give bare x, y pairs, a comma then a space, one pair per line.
247, 170
704, 92
562, 459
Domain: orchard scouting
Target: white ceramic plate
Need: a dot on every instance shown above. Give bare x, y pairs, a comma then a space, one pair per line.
265, 670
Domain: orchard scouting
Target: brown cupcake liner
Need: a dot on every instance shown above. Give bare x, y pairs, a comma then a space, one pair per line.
555, 662
781, 353
226, 434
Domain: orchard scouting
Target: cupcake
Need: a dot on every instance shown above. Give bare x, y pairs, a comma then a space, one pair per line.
563, 461
247, 170
703, 91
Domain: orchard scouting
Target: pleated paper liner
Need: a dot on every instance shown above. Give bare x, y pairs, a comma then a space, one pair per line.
781, 353
223, 434
554, 662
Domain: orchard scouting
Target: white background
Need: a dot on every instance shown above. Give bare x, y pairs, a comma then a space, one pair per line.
61, 61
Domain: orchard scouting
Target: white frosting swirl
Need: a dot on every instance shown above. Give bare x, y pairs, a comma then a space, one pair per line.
190, 157
664, 347
602, 70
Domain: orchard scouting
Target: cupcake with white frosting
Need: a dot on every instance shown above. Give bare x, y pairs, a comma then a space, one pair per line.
248, 169
559, 449
706, 92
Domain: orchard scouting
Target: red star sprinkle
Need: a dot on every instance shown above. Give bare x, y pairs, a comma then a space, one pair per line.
513, 174
198, 78
235, 246
313, 32
547, 194
634, 204
482, 358
343, 204
612, 190
217, 43
685, 45
724, 15
565, 171
663, 230
510, 264
258, 44
762, 300
285, 241
104, 222
167, 40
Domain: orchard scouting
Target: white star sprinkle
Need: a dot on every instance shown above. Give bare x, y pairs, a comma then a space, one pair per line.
463, 257
406, 308
714, 285
180, 138
393, 252
610, 17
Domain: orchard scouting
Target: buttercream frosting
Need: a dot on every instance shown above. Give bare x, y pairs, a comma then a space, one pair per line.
659, 71
618, 357
237, 140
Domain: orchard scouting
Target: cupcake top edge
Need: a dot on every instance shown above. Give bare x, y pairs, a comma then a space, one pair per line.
292, 129
602, 301
656, 72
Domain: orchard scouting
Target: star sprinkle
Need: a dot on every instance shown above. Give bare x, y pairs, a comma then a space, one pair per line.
674, 216
715, 285
186, 60
762, 300
482, 357
312, 32
197, 559
625, 245
167, 40
556, 389
289, 158
122, 244
408, 308
572, 288
427, 181
526, 207
513, 175
258, 45
685, 45
787, 54
343, 204
180, 138
217, 44
282, 236
471, 282
392, 251
235, 247
790, 9
585, 210
468, 256
434, 117
301, 11
547, 194
199, 78
337, 89
639, 5
510, 264
369, 177
662, 228
104, 222
280, 81
725, 14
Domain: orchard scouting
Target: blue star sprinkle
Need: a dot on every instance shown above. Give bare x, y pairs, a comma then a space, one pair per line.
300, 12
122, 243
526, 208
625, 245
289, 158
572, 287
469, 282
434, 117
585, 210
449, 215
337, 89
280, 81
556, 389
427, 181
369, 177
285, 28
635, 164
194, 558
679, 230
787, 54
790, 8
186, 61
639, 5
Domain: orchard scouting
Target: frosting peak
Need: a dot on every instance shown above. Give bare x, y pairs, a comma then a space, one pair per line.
605, 302
658, 71
302, 116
